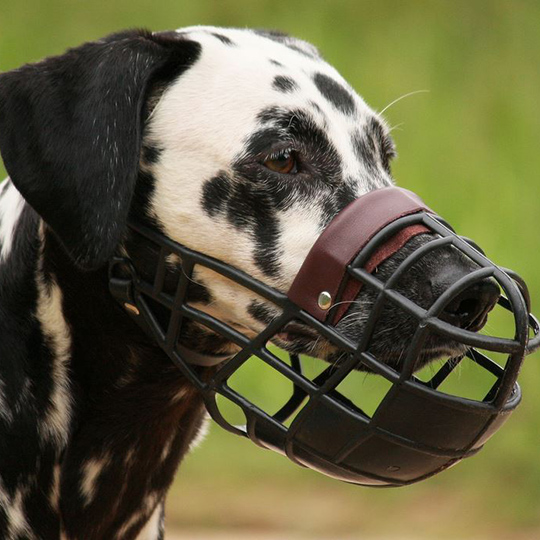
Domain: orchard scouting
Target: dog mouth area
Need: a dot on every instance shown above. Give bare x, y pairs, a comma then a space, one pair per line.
392, 350
396, 358
295, 331
301, 339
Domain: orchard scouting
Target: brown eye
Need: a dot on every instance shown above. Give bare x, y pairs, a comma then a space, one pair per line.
283, 163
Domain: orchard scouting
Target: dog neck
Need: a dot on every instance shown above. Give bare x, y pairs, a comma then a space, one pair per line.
134, 414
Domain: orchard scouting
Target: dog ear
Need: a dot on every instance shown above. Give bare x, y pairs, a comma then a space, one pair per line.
70, 133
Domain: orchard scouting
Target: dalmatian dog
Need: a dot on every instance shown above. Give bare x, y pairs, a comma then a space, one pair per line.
240, 144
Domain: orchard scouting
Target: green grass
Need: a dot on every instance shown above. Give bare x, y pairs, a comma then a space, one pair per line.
469, 146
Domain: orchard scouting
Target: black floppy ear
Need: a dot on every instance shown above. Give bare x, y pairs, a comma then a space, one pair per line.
70, 133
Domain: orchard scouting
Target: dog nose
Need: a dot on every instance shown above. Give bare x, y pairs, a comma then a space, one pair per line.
469, 310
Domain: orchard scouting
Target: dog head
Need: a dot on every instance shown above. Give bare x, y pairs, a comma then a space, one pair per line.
240, 144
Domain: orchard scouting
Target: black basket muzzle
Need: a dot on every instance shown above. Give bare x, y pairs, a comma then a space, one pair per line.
417, 430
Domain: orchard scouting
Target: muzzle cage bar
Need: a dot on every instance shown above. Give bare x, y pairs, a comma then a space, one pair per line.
416, 430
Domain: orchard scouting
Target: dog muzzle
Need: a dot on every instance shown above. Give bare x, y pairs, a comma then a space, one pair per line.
418, 428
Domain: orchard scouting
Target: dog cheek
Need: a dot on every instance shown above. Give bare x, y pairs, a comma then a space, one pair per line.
300, 227
230, 301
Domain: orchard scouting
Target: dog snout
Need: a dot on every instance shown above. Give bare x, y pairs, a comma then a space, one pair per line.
469, 309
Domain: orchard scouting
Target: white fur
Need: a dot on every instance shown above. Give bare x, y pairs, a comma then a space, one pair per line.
248, 88
5, 412
149, 508
227, 88
49, 312
54, 497
90, 474
151, 530
202, 122
11, 207
17, 525
300, 228
201, 434
17, 518
128, 459
167, 448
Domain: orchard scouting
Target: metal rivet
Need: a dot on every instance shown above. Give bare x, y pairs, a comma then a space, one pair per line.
325, 300
132, 309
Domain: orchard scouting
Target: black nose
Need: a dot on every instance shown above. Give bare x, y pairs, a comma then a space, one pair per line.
469, 310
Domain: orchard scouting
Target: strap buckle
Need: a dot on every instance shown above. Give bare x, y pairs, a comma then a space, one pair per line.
122, 274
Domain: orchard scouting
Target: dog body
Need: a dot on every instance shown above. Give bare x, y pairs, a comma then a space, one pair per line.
72, 402
94, 418
236, 143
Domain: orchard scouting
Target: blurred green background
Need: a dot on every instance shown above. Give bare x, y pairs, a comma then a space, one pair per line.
470, 146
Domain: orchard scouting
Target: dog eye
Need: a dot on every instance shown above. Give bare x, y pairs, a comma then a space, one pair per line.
284, 163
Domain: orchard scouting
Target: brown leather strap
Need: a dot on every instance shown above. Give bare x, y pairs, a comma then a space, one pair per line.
353, 286
347, 234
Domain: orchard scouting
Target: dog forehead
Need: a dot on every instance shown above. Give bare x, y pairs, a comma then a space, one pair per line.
241, 73
252, 39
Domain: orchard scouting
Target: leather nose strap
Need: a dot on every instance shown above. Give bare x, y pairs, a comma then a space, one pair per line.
324, 268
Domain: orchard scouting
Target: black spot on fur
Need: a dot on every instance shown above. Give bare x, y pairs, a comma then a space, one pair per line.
264, 139
274, 35
340, 198
144, 188
222, 38
329, 211
151, 154
4, 523
302, 47
316, 107
267, 253
374, 147
247, 207
244, 203
364, 148
261, 312
269, 115
284, 84
335, 93
345, 194
170, 34
215, 194
198, 293
276, 63
382, 142
367, 154
301, 50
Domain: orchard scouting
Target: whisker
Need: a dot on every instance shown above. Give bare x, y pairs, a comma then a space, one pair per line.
397, 127
345, 302
403, 97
